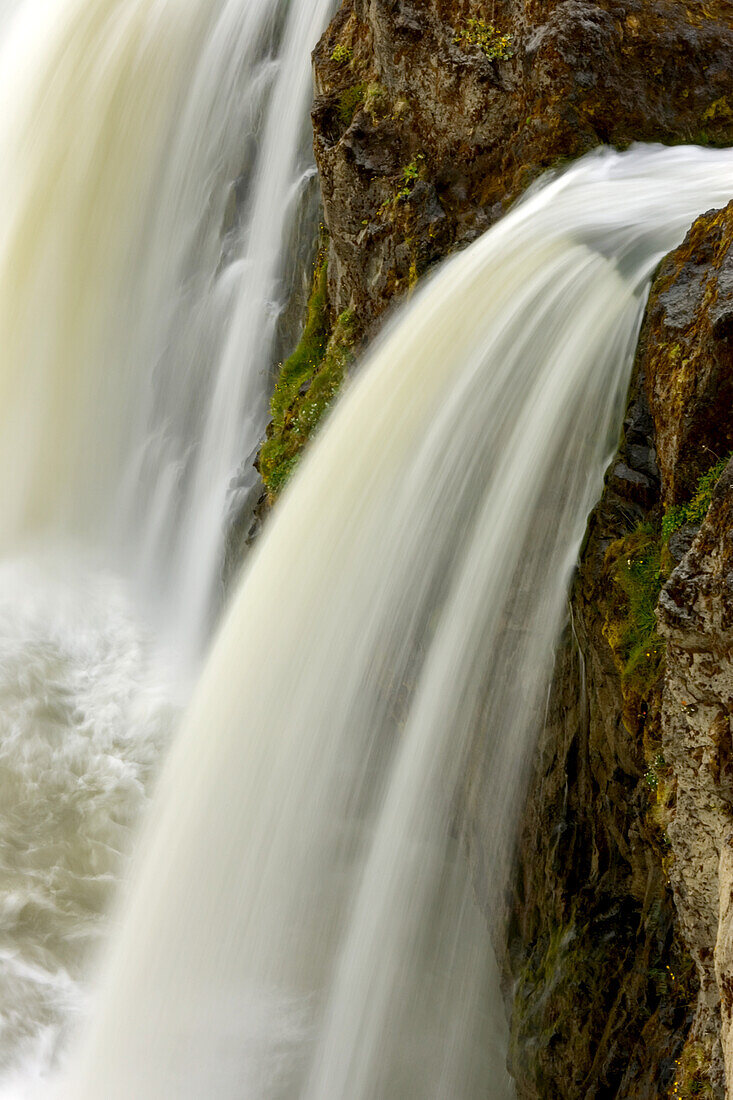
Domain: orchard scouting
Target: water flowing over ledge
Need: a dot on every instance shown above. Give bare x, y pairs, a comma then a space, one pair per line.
303, 922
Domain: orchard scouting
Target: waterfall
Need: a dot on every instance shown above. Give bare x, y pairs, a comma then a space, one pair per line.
154, 162
310, 910
157, 185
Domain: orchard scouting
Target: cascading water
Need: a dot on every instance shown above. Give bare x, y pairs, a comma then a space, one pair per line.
220, 336
304, 922
153, 169
149, 206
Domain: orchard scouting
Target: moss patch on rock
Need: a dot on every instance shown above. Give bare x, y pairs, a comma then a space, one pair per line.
634, 570
349, 100
692, 1073
306, 384
494, 44
694, 511
636, 567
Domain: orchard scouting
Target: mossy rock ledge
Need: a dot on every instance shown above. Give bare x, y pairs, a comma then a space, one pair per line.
431, 117
482, 97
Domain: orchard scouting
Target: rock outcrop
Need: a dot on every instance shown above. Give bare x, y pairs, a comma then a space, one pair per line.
601, 983
696, 615
691, 375
431, 117
612, 947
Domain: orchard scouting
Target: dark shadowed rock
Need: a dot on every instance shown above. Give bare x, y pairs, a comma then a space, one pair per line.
641, 779
688, 356
681, 540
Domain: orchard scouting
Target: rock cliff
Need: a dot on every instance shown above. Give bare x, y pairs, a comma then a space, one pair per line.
690, 378
431, 117
615, 919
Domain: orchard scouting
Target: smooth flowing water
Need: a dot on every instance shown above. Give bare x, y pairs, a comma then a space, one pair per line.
156, 182
331, 837
154, 163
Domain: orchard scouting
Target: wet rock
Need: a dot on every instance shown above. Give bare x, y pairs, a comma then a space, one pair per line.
574, 74
588, 1020
696, 618
622, 472
681, 540
643, 459
687, 357
721, 313
644, 792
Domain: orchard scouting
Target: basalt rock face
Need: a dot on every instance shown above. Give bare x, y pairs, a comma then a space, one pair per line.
696, 616
431, 117
687, 353
620, 943
696, 613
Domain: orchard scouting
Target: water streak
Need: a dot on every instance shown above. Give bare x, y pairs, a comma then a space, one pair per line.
155, 157
154, 165
304, 921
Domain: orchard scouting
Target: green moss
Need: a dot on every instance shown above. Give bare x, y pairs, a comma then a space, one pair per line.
477, 32
654, 771
329, 376
718, 110
409, 175
692, 1073
349, 100
276, 466
635, 569
341, 54
376, 101
306, 385
301, 365
556, 961
717, 120
695, 510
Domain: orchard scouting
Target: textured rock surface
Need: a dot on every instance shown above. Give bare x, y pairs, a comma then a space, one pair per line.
431, 117
687, 353
422, 140
631, 806
691, 375
696, 615
592, 945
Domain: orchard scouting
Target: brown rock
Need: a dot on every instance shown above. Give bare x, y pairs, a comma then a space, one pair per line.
397, 85
687, 345
622, 921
